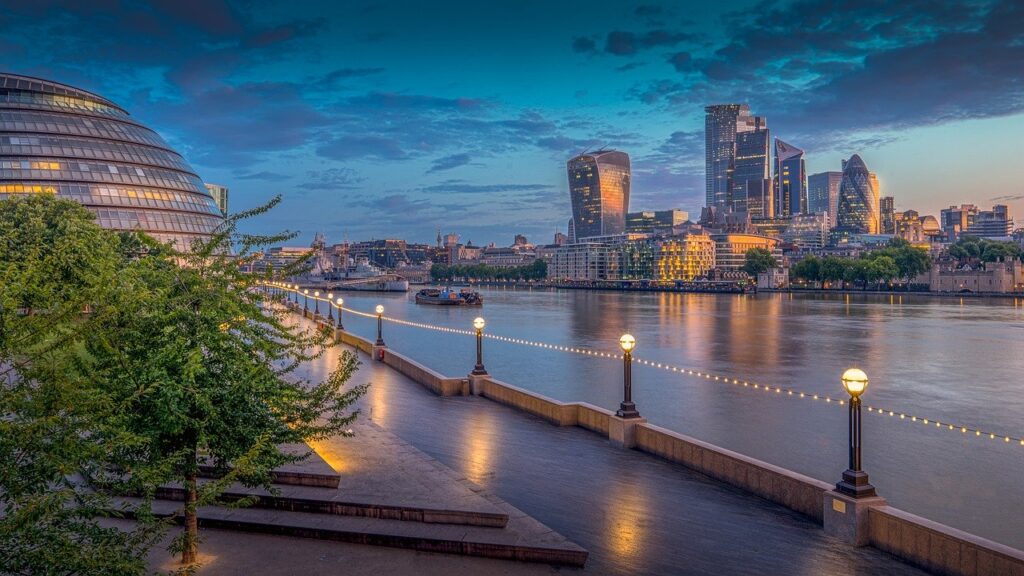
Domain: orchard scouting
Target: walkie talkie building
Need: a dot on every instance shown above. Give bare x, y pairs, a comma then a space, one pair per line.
57, 139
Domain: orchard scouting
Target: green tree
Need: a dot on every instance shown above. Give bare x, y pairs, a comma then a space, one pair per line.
882, 269
206, 365
61, 286
758, 260
833, 269
808, 269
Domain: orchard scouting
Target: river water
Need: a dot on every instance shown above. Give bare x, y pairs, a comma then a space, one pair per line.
952, 360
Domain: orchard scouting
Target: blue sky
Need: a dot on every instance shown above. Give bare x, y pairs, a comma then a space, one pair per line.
394, 119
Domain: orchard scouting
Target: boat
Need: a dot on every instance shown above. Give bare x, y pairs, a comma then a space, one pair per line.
449, 297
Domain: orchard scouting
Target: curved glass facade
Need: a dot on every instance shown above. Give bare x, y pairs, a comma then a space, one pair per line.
56, 139
599, 190
858, 211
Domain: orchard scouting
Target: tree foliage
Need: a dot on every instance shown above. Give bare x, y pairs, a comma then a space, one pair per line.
537, 270
969, 248
897, 261
758, 260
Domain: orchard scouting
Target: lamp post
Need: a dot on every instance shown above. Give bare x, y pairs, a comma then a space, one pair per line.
340, 303
855, 481
330, 307
627, 409
316, 302
380, 324
305, 301
479, 369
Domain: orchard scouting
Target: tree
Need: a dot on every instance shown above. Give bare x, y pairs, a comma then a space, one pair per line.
58, 427
758, 260
882, 269
833, 269
206, 368
808, 269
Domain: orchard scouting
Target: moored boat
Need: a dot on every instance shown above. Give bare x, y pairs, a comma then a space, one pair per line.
449, 297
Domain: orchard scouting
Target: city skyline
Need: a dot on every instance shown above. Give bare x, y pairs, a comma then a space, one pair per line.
386, 128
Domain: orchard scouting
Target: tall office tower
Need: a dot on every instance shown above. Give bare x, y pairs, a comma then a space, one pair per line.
858, 211
721, 124
58, 139
790, 180
823, 194
887, 214
220, 196
599, 190
752, 167
955, 221
994, 223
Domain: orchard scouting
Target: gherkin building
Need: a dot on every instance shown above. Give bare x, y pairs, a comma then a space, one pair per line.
57, 139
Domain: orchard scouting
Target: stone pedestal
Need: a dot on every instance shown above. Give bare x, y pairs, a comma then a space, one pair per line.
622, 431
378, 352
476, 383
846, 517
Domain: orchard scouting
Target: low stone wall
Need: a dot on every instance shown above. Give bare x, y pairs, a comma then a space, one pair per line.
436, 382
794, 491
938, 548
593, 418
553, 411
354, 341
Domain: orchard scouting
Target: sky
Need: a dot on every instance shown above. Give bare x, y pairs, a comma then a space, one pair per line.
396, 119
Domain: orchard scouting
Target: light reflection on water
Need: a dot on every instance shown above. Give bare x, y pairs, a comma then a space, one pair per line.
953, 359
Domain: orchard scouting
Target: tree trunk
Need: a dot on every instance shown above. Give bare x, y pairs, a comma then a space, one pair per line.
191, 547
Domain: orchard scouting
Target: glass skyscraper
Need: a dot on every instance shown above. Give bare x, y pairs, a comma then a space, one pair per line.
752, 172
599, 190
858, 211
790, 180
823, 194
57, 139
721, 124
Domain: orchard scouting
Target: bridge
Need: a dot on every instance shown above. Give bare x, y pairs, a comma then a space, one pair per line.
382, 283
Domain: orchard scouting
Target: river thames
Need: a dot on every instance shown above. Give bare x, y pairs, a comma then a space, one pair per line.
946, 359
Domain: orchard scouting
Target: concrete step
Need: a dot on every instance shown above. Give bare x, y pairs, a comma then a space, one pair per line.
313, 471
523, 539
333, 502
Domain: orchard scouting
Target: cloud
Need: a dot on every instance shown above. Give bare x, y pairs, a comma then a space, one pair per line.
263, 175
333, 179
623, 43
449, 162
463, 187
584, 45
1008, 198
362, 146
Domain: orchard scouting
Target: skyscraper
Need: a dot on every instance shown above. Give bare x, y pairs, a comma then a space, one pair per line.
721, 124
58, 139
752, 171
790, 180
823, 194
858, 211
599, 190
220, 196
887, 214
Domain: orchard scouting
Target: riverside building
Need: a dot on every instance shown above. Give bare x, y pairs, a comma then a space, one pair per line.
61, 140
599, 191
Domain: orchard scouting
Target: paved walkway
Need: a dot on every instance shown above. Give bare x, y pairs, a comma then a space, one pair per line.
636, 514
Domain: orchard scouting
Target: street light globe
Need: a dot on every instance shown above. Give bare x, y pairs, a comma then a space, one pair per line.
341, 301
330, 295
627, 342
478, 323
306, 291
316, 294
855, 381
380, 309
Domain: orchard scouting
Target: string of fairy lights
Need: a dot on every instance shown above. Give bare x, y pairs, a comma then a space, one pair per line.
780, 391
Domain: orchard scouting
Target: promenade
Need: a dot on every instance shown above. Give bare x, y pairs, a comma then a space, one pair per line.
634, 513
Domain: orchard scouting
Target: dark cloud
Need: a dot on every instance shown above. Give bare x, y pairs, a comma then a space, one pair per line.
1008, 198
363, 146
622, 43
584, 45
333, 179
463, 187
263, 175
449, 162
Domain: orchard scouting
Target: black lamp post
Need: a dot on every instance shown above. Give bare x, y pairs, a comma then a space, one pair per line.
627, 409
316, 302
380, 325
305, 301
340, 303
855, 481
330, 307
479, 369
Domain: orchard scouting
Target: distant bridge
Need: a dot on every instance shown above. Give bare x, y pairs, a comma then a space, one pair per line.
378, 283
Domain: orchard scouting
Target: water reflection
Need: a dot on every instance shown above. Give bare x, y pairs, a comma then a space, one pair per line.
627, 528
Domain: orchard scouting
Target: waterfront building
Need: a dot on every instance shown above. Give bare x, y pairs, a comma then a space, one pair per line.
721, 124
721, 220
509, 257
955, 221
751, 176
886, 214
638, 260
776, 278
220, 196
989, 278
731, 249
790, 180
599, 190
858, 211
647, 222
807, 231
684, 257
58, 139
994, 223
586, 261
823, 194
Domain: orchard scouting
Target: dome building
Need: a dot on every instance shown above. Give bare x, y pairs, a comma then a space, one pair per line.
859, 209
60, 140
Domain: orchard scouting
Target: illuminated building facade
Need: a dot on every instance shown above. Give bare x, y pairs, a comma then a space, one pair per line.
683, 257
731, 249
790, 180
220, 196
955, 221
585, 261
650, 221
823, 194
599, 190
807, 230
858, 211
61, 140
751, 176
722, 122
